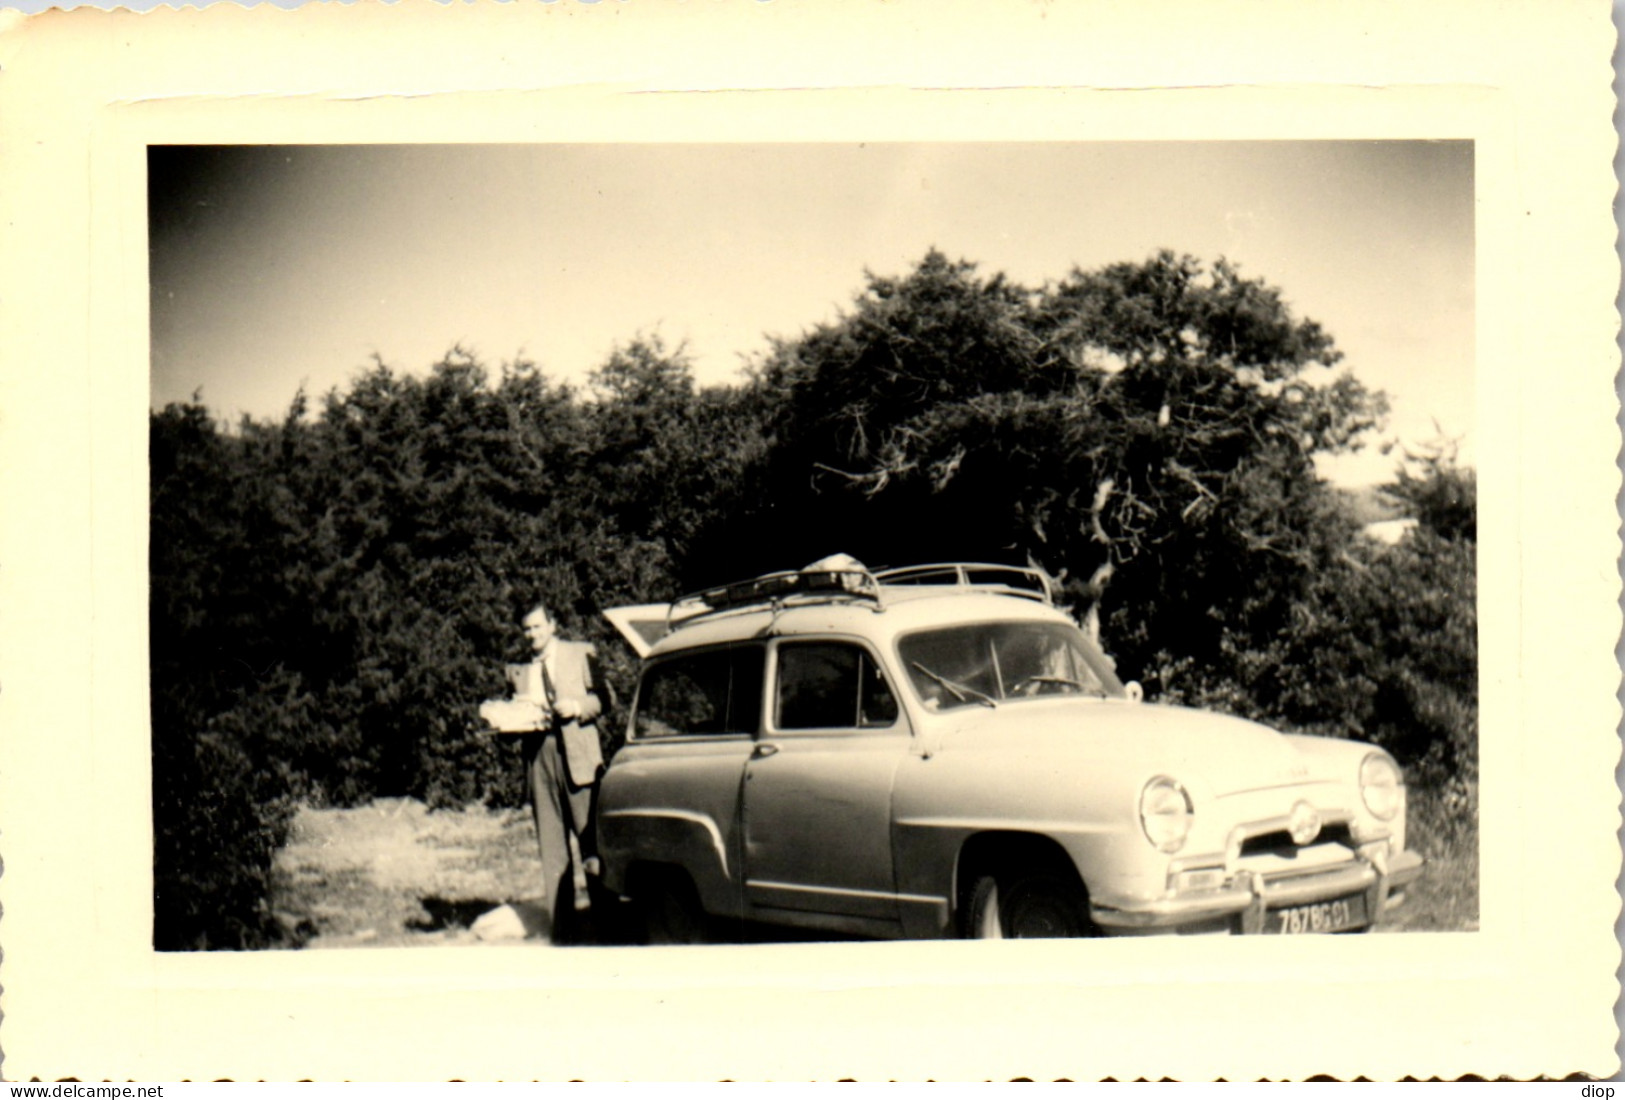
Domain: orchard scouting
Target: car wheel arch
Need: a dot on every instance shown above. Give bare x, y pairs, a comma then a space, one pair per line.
666, 891
994, 850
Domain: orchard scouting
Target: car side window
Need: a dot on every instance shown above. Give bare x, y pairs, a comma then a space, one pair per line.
699, 694
831, 685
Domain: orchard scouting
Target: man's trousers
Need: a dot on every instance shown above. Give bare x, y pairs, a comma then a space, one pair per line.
563, 814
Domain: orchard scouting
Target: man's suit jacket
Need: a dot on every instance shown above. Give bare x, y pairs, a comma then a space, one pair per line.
574, 676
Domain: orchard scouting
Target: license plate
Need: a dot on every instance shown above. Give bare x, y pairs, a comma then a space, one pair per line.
1325, 916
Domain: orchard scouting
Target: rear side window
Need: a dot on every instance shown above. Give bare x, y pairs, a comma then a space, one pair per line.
831, 685
715, 692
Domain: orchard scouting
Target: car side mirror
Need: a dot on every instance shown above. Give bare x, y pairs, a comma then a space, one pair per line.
1134, 691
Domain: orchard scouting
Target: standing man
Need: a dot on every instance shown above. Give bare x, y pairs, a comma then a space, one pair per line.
562, 755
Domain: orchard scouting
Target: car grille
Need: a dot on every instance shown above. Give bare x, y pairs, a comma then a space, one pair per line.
1281, 841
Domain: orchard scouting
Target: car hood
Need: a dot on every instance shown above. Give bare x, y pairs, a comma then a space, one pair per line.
1221, 754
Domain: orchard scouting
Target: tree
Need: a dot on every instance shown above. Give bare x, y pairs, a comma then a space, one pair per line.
1146, 432
1439, 492
219, 813
663, 455
430, 504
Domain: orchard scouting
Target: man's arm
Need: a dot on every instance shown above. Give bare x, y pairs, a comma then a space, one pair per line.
601, 691
587, 706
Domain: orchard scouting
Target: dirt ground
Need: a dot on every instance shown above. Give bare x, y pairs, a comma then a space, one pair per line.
393, 874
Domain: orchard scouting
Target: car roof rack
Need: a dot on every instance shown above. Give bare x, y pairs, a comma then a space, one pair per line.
853, 582
776, 589
1006, 580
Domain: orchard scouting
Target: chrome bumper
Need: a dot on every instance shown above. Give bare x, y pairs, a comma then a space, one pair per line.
1252, 895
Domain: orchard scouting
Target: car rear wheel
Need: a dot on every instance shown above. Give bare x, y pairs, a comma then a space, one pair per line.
670, 908
1027, 905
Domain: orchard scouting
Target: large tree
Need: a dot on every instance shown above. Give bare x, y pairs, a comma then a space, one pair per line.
1146, 432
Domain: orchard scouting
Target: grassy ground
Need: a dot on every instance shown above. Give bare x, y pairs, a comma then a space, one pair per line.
393, 873
1443, 826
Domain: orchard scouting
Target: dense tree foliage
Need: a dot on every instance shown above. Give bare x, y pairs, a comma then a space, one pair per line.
333, 593
1144, 432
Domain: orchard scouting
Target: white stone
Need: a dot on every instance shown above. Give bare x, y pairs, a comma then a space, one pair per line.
501, 923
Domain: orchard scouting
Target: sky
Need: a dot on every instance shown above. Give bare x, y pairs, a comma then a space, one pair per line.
276, 267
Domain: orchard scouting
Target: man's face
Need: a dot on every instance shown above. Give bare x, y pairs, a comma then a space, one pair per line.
539, 629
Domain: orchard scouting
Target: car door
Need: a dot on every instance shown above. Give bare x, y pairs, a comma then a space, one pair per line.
818, 786
671, 795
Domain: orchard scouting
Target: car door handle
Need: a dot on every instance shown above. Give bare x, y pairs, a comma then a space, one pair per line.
763, 751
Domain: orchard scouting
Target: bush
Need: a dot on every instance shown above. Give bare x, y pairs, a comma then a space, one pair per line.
220, 821
222, 713
1443, 826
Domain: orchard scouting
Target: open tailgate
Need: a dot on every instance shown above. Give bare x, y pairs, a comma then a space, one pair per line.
642, 625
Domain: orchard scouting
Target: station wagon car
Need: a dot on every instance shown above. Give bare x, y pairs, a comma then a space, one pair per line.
941, 751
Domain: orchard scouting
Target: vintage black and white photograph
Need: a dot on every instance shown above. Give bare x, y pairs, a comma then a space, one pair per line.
903, 541
597, 545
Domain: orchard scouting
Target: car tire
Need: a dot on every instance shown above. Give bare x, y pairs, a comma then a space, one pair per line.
670, 909
1027, 905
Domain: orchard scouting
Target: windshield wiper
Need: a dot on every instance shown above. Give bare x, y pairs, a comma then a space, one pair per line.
962, 692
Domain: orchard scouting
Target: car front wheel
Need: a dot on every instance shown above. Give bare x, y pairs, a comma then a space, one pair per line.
1027, 905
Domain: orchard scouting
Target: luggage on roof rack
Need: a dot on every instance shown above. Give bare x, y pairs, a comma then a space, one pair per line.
843, 577
838, 577
772, 588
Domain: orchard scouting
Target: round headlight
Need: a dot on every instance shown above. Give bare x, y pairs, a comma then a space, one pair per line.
1380, 786
1165, 814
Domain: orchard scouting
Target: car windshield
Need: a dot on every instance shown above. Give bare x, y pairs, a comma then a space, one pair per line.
984, 664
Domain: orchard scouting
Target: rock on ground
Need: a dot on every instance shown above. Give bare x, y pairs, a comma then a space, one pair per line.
514, 921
